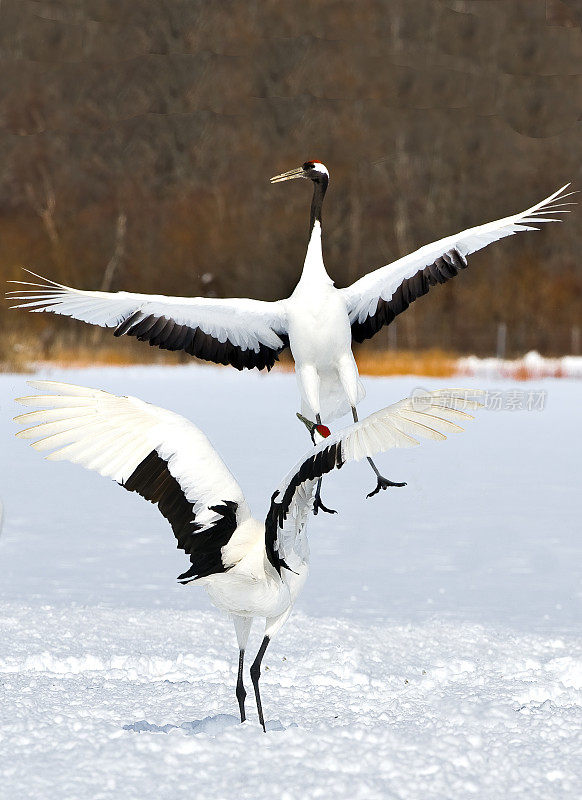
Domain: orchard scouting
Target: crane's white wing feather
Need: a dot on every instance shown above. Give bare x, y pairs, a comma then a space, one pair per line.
375, 299
426, 415
146, 449
239, 331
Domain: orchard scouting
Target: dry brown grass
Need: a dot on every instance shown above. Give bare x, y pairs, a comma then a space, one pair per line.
13, 355
27, 353
83, 355
22, 354
432, 363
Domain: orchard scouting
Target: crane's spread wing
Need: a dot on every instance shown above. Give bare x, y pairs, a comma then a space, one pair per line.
376, 299
428, 415
148, 450
238, 331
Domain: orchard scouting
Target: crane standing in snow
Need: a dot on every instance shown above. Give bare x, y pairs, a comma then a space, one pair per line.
318, 321
249, 568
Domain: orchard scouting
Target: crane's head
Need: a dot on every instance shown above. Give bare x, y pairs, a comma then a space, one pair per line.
317, 431
313, 170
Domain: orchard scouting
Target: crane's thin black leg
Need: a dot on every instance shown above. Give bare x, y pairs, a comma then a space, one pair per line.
256, 674
383, 483
317, 504
240, 689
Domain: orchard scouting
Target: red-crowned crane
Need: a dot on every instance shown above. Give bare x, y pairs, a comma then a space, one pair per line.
318, 321
249, 568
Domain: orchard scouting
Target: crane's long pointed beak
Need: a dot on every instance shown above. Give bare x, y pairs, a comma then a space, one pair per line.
288, 176
307, 422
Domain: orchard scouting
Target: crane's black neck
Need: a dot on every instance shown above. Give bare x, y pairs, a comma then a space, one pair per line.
319, 189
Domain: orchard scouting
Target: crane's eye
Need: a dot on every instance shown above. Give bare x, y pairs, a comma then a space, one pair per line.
308, 165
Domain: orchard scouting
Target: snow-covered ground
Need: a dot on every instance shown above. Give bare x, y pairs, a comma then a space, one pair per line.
435, 653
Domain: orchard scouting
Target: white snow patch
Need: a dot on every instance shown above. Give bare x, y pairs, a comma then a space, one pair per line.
531, 366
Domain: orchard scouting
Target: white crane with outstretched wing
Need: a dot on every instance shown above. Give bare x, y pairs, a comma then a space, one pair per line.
249, 568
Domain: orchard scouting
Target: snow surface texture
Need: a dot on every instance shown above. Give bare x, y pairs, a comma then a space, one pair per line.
435, 652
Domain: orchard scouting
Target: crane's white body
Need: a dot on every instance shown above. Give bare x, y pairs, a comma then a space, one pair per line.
326, 370
253, 587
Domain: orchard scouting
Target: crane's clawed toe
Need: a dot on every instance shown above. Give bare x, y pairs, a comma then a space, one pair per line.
317, 505
383, 483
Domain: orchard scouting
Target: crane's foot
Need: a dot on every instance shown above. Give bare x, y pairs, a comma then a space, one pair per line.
383, 483
317, 505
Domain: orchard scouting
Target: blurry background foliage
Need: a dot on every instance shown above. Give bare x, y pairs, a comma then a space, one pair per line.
137, 139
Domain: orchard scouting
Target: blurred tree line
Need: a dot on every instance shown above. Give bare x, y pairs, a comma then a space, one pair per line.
137, 138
